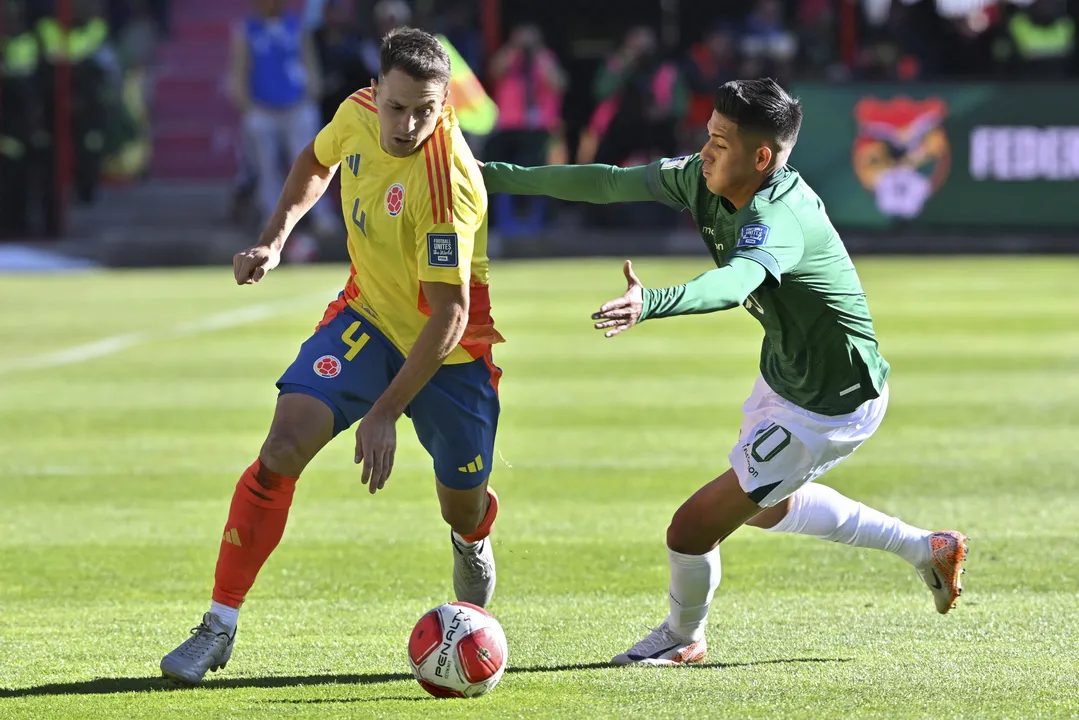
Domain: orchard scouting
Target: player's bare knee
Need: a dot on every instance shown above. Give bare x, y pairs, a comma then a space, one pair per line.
288, 448
301, 426
685, 534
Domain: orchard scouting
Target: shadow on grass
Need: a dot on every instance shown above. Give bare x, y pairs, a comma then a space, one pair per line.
109, 686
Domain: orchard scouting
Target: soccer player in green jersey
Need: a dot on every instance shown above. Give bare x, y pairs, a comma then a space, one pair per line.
822, 389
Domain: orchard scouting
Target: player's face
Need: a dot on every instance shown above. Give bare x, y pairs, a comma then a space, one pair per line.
731, 160
408, 110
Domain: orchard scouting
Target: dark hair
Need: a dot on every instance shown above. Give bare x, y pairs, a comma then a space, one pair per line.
416, 53
761, 107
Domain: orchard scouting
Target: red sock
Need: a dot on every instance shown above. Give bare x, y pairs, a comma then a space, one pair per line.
488, 522
256, 523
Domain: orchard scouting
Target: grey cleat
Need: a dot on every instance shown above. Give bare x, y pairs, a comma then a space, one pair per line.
474, 572
208, 648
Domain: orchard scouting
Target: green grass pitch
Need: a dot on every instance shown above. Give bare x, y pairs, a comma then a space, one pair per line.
131, 401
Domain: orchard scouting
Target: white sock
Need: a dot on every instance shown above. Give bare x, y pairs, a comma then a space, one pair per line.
226, 616
822, 512
464, 544
694, 579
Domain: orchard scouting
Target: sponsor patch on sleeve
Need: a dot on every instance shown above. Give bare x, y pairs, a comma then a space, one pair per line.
442, 250
675, 163
753, 235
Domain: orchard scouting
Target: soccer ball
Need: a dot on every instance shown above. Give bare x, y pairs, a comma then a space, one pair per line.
457, 650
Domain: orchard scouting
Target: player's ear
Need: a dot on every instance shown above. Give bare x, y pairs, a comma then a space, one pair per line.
446, 94
374, 89
764, 157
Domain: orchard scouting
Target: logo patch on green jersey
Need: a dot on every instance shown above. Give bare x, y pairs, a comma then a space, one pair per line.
754, 235
675, 163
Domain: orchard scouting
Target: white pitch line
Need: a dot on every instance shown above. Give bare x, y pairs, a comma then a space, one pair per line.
112, 345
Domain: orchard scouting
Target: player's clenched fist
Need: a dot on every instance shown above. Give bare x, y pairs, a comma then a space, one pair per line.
252, 264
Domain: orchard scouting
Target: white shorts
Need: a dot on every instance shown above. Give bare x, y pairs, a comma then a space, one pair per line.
781, 446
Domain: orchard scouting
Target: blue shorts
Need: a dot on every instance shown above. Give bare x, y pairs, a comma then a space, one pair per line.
348, 363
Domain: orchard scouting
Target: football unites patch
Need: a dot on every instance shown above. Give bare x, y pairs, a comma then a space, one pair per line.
395, 199
328, 366
753, 235
675, 163
442, 250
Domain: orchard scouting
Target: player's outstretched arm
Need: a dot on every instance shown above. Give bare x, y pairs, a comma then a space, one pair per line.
597, 184
720, 289
376, 437
306, 183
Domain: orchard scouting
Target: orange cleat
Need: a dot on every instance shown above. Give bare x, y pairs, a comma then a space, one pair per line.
942, 574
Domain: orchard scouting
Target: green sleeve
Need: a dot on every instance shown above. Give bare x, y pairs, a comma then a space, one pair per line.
769, 233
720, 289
676, 182
598, 184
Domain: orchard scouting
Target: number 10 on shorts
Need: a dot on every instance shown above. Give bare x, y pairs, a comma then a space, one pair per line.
770, 443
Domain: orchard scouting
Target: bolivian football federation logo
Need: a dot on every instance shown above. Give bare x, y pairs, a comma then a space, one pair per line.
901, 154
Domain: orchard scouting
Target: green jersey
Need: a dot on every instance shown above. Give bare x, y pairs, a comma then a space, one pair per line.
819, 350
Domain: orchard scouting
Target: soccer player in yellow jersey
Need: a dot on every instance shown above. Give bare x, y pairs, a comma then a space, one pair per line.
411, 332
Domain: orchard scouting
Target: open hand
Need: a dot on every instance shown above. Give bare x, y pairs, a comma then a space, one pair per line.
376, 444
622, 313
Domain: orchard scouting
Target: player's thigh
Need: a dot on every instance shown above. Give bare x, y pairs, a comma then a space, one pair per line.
456, 419
344, 367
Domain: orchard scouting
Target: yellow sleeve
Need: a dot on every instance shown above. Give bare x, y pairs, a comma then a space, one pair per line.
448, 212
328, 140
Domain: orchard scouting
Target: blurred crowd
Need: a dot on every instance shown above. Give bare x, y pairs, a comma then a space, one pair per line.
638, 88
572, 82
101, 51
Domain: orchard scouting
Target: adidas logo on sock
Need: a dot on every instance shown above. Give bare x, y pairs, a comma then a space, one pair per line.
232, 537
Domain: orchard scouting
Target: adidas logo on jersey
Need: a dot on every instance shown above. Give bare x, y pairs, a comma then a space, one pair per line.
353, 162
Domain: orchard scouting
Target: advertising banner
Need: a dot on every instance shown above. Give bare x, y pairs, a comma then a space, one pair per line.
956, 157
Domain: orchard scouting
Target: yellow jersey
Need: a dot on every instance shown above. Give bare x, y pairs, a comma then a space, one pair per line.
421, 218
